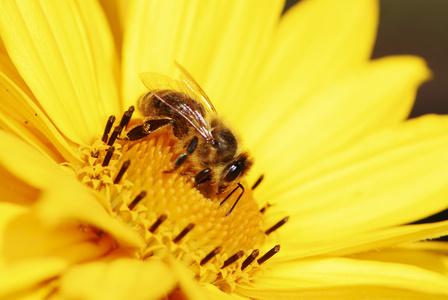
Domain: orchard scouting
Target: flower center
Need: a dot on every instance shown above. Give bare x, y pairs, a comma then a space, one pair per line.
218, 237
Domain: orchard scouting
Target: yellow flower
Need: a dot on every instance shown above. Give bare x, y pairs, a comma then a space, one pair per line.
325, 125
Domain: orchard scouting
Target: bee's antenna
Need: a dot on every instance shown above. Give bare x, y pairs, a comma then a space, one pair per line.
231, 193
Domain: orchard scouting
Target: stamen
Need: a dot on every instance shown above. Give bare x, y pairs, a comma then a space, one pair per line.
108, 156
233, 259
114, 135
210, 255
268, 254
250, 259
259, 180
95, 155
157, 223
183, 233
123, 169
109, 124
137, 200
126, 117
277, 226
263, 210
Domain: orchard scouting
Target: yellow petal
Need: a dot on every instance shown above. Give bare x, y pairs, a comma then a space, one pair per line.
9, 212
204, 41
327, 273
429, 260
316, 43
358, 243
65, 53
21, 116
73, 201
394, 177
117, 279
26, 237
375, 97
27, 164
25, 274
78, 201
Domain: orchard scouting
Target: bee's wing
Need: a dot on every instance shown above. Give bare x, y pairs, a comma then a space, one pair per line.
156, 81
194, 87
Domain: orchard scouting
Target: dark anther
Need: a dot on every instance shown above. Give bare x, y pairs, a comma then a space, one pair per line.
180, 160
123, 169
157, 223
265, 207
210, 255
250, 259
114, 135
137, 200
233, 259
259, 180
268, 254
183, 233
238, 199
192, 145
109, 124
95, 154
108, 156
277, 226
126, 118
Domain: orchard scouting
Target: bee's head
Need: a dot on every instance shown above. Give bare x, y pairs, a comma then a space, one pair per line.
233, 171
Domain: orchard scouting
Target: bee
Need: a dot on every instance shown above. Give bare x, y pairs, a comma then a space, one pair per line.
212, 152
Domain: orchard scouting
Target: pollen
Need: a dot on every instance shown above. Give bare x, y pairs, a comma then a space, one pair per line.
218, 238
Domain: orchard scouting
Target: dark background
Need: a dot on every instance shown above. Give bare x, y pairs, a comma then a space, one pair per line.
417, 27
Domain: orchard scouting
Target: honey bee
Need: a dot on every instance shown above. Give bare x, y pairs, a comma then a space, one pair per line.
212, 152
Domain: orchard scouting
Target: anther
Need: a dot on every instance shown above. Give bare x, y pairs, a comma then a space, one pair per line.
108, 156
259, 180
114, 135
109, 124
126, 118
250, 259
137, 200
263, 210
268, 254
123, 169
157, 223
209, 256
95, 154
277, 226
232, 259
183, 233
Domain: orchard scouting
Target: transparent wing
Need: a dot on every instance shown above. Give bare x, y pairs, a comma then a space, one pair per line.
189, 81
188, 109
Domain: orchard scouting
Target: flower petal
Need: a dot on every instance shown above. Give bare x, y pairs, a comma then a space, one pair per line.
359, 243
328, 273
375, 97
26, 274
316, 43
396, 176
117, 279
79, 202
158, 32
65, 53
22, 117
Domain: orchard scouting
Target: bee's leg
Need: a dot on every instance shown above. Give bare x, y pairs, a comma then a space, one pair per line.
146, 128
231, 193
203, 176
183, 157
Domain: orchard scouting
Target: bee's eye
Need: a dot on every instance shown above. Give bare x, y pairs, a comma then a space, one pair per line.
233, 170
